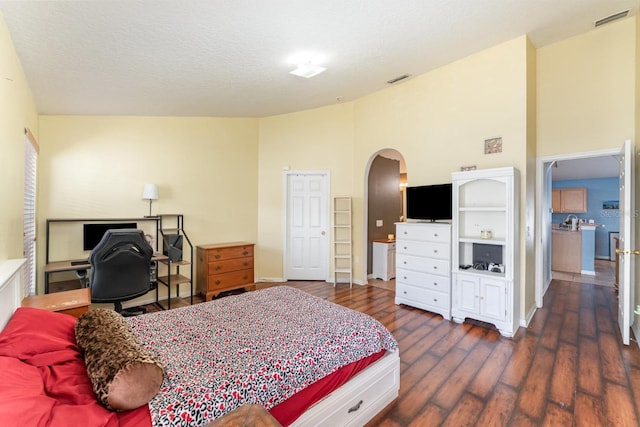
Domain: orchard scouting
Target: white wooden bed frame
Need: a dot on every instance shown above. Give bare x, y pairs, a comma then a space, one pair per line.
353, 404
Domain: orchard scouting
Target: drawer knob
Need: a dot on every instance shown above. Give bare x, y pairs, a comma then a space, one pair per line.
404, 292
405, 232
405, 248
218, 267
355, 407
435, 267
217, 282
435, 283
405, 262
245, 253
435, 251
216, 256
435, 234
405, 277
245, 264
435, 300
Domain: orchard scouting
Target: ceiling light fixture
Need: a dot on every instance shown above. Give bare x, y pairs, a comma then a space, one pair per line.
307, 70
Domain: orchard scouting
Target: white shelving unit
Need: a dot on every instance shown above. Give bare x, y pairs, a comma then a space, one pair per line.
342, 241
486, 200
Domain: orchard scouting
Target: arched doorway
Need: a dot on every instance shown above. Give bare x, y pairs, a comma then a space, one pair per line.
384, 205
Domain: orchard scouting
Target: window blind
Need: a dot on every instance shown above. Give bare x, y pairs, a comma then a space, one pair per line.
29, 232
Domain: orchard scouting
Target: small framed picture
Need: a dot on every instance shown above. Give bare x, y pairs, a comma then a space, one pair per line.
493, 145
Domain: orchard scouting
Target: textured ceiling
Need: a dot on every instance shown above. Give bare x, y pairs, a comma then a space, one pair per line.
591, 167
231, 58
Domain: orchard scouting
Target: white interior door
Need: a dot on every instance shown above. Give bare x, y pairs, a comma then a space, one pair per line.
307, 226
626, 273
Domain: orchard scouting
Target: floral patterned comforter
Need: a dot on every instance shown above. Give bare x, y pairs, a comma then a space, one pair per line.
258, 347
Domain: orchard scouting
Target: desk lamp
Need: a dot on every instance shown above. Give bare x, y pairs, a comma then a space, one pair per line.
150, 193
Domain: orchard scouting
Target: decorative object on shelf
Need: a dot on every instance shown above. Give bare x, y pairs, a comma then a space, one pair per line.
493, 145
486, 234
150, 193
468, 168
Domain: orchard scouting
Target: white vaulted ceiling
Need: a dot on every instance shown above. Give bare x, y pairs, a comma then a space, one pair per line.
231, 58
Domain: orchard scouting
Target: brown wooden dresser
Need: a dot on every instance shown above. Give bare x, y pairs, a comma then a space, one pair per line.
224, 267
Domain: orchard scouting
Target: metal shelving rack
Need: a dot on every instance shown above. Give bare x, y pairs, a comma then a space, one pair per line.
175, 278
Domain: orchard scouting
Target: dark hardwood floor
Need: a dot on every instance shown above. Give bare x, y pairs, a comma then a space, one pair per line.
568, 368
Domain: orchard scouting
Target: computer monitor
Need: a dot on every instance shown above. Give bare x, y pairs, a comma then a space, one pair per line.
93, 232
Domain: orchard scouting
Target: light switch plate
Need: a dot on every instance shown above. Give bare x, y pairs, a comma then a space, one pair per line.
378, 223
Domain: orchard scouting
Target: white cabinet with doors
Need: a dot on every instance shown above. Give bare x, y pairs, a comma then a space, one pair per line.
342, 241
384, 259
485, 248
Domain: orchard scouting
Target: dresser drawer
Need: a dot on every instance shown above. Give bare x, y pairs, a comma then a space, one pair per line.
218, 254
225, 266
423, 280
428, 297
426, 249
229, 280
426, 265
433, 233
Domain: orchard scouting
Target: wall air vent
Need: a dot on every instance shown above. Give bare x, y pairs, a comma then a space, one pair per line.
611, 18
397, 79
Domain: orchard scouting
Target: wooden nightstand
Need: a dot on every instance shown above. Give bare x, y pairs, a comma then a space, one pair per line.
75, 302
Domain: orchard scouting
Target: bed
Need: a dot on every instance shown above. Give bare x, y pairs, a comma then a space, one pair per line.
325, 380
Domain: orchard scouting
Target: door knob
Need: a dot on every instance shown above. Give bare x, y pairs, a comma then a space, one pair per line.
630, 251
323, 233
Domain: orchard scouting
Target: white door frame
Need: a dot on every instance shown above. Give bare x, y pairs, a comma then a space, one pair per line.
285, 216
542, 203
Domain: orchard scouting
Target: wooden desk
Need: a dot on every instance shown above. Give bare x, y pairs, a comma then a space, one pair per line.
61, 266
75, 302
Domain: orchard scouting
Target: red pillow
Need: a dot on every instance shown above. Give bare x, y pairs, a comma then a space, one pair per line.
39, 337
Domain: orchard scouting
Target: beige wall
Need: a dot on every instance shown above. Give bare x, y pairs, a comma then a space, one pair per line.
17, 112
586, 94
439, 121
205, 168
318, 140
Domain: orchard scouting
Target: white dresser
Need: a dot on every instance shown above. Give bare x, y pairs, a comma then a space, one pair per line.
423, 266
384, 259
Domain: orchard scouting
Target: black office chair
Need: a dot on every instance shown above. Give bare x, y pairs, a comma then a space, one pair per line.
120, 265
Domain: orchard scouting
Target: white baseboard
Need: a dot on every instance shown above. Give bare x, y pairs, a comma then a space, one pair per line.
527, 319
271, 280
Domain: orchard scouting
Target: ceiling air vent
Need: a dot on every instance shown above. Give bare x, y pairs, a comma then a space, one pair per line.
611, 18
397, 79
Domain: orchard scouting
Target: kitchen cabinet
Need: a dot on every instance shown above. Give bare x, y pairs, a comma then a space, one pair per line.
566, 249
569, 200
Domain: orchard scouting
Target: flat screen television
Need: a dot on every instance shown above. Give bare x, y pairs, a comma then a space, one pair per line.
93, 232
429, 202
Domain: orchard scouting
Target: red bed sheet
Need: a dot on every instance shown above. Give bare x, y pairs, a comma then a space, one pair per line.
43, 379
